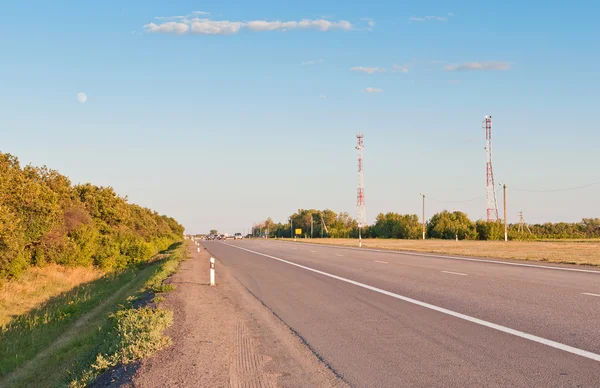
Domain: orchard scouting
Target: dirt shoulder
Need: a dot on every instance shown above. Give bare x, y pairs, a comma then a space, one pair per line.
223, 336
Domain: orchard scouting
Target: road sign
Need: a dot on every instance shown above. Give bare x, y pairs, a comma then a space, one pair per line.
298, 232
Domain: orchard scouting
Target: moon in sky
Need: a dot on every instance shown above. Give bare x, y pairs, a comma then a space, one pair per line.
81, 97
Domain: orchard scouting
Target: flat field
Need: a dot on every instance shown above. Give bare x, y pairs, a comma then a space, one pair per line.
583, 252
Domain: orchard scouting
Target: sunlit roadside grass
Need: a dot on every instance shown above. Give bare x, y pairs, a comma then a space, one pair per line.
56, 344
37, 285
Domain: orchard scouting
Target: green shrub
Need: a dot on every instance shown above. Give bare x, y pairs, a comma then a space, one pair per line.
44, 219
490, 230
446, 225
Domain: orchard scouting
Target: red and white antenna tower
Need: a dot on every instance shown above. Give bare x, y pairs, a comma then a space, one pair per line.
360, 197
492, 204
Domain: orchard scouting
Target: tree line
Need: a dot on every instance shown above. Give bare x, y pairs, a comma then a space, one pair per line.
442, 225
45, 219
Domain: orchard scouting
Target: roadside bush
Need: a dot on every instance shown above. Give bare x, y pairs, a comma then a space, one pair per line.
446, 225
394, 225
492, 230
44, 219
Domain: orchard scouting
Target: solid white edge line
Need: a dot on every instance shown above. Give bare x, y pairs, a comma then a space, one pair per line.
517, 333
410, 253
338, 255
590, 294
455, 273
382, 262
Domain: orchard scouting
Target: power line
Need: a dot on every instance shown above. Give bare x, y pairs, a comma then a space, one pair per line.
461, 201
557, 190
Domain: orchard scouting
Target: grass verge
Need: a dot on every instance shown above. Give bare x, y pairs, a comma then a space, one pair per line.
37, 285
136, 333
57, 344
582, 252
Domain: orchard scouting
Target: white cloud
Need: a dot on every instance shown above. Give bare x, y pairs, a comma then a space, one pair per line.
323, 97
212, 27
310, 63
205, 26
431, 18
478, 66
324, 25
168, 27
260, 25
367, 70
81, 97
400, 68
373, 90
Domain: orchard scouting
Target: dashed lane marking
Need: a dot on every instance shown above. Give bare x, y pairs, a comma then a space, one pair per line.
494, 326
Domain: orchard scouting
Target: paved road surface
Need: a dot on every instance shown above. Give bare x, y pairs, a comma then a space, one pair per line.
383, 319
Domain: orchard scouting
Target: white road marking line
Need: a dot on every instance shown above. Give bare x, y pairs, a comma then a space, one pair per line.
587, 293
313, 251
507, 330
382, 262
455, 273
337, 254
459, 258
293, 249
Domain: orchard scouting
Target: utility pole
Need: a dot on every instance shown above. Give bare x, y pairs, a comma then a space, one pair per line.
311, 225
423, 219
505, 223
522, 224
360, 198
291, 228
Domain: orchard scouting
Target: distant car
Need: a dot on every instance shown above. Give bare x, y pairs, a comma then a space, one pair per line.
238, 236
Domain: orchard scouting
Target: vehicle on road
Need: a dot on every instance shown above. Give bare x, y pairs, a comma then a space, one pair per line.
238, 236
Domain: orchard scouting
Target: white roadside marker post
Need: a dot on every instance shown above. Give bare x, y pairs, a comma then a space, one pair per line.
198, 249
212, 271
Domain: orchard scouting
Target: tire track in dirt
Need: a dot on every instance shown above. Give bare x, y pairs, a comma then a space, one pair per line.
247, 366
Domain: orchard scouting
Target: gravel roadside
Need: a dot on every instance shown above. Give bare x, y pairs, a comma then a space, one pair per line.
223, 337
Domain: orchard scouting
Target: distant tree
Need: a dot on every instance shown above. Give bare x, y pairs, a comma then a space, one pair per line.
213, 231
490, 230
446, 225
394, 225
591, 226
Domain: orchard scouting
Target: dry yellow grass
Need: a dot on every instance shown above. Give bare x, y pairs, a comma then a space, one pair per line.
584, 252
37, 285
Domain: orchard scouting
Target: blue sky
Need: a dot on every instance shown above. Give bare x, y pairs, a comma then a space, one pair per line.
222, 113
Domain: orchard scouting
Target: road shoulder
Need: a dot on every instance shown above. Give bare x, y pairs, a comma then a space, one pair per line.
224, 336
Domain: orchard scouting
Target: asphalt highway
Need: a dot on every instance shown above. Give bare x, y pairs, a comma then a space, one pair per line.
389, 319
